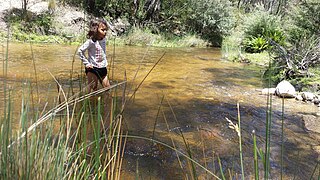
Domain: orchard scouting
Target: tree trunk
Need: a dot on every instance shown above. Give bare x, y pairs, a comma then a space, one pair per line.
24, 5
151, 8
136, 4
24, 9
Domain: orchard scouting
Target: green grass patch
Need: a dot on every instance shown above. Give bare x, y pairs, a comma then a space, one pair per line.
20, 36
144, 37
233, 50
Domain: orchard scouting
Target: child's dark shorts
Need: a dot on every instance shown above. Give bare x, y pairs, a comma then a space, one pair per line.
99, 72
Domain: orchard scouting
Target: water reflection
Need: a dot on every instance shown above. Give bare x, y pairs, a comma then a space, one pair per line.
198, 92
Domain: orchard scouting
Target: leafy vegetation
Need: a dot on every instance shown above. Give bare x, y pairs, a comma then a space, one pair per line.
139, 37
31, 22
302, 52
291, 37
210, 20
260, 27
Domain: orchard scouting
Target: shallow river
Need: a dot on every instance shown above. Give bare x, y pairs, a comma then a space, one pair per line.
197, 91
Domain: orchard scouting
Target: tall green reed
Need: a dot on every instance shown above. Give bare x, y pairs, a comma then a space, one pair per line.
59, 154
282, 140
268, 129
186, 144
5, 73
240, 141
221, 169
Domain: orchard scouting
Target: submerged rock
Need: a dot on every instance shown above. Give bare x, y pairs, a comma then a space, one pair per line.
267, 91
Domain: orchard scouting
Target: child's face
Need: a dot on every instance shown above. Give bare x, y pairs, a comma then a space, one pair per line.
102, 31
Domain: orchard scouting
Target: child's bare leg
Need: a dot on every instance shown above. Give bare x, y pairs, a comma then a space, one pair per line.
105, 82
107, 102
92, 81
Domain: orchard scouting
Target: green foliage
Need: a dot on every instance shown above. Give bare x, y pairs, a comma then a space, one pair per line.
259, 28
31, 23
144, 37
274, 74
26, 37
294, 62
302, 52
191, 41
255, 44
304, 21
211, 19
42, 22
274, 7
141, 37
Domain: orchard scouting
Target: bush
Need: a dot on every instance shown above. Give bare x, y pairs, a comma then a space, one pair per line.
303, 52
259, 28
294, 62
255, 44
31, 22
304, 21
212, 19
144, 37
141, 37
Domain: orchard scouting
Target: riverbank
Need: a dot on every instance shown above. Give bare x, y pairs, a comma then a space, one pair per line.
65, 24
62, 24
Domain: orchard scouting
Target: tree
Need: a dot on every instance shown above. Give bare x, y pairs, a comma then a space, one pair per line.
24, 9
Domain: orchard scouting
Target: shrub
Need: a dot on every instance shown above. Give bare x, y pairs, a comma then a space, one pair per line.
304, 21
259, 28
32, 23
255, 44
212, 19
302, 53
294, 62
141, 37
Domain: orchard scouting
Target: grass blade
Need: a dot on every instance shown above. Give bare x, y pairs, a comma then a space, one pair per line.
240, 141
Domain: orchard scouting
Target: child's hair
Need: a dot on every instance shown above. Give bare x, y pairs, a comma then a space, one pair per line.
93, 27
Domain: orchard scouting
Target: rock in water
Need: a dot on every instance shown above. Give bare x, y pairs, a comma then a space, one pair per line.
285, 89
308, 96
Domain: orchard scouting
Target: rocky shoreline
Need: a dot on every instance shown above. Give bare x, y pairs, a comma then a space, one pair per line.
286, 90
66, 19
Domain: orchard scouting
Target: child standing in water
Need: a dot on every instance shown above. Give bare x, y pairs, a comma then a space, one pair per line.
96, 60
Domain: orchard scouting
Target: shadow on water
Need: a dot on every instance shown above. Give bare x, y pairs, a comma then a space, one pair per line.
234, 76
219, 139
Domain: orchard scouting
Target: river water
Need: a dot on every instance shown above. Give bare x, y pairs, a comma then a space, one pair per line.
188, 96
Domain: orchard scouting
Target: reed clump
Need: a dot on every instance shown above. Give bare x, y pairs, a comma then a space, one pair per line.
84, 147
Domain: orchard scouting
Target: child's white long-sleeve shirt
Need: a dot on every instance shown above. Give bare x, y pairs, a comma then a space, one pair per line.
96, 53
